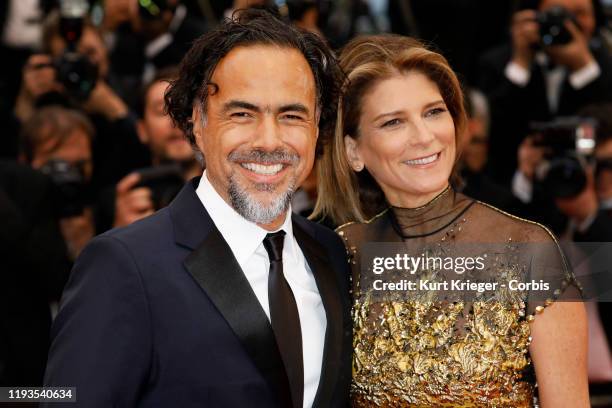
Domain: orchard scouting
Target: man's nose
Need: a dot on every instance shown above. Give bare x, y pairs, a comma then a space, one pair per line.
268, 134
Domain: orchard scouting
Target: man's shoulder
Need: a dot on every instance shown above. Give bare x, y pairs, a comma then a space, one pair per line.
155, 228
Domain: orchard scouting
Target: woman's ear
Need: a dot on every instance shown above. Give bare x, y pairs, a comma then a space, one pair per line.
352, 152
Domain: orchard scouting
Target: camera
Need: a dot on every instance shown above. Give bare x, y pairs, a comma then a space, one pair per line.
164, 181
569, 143
552, 26
75, 71
71, 188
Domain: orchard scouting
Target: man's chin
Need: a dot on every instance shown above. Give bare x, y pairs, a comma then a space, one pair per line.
262, 198
260, 203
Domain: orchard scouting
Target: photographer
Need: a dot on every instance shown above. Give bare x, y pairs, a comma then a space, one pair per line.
157, 34
40, 74
603, 154
557, 178
173, 162
57, 141
75, 73
555, 64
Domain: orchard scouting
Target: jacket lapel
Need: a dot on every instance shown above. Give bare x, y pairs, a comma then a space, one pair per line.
215, 269
318, 261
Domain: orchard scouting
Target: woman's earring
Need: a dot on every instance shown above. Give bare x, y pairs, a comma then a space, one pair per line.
358, 167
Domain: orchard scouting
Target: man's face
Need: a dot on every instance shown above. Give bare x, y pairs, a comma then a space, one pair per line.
476, 148
581, 9
260, 130
75, 149
166, 141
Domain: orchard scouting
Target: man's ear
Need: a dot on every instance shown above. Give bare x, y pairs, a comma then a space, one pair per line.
196, 124
352, 152
142, 132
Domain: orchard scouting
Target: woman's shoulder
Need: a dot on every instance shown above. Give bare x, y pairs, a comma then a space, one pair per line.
518, 229
354, 231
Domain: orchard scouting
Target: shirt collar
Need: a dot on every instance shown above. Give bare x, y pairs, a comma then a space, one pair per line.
242, 236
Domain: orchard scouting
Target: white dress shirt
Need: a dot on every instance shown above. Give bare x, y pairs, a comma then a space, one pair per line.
245, 239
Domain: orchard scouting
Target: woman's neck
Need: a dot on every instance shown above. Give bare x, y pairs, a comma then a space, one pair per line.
416, 200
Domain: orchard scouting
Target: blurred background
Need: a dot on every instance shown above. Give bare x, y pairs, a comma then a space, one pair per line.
86, 146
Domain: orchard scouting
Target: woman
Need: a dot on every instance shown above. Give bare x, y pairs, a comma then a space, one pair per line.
400, 122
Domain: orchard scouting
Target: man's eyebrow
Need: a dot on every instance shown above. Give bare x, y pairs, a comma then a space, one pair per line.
240, 105
294, 107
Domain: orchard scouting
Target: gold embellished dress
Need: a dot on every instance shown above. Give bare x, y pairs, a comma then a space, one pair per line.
427, 352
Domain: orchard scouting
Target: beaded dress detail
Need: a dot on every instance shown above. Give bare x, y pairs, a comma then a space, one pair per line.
436, 353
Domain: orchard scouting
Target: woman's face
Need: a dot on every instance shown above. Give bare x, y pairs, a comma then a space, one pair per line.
406, 139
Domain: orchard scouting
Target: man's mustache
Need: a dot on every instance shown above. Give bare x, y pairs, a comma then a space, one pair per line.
263, 157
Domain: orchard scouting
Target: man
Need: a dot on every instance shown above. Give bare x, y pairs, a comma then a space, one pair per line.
475, 155
529, 80
58, 142
138, 194
116, 149
153, 35
222, 299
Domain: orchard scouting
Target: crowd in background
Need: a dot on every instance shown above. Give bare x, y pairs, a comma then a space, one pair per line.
86, 145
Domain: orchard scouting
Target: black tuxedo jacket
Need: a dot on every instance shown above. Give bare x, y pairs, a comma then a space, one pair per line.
513, 107
159, 314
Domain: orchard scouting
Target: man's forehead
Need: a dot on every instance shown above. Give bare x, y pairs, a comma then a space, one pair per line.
264, 66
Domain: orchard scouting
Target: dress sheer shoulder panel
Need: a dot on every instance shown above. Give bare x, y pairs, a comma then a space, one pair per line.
550, 277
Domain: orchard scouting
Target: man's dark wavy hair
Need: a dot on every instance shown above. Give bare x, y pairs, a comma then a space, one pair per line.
252, 27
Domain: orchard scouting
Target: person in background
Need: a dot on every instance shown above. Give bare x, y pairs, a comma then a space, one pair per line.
536, 77
57, 141
33, 270
103, 99
585, 211
475, 155
305, 14
156, 35
602, 113
117, 149
129, 200
20, 36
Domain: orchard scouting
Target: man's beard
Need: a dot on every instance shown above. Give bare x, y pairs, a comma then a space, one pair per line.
248, 206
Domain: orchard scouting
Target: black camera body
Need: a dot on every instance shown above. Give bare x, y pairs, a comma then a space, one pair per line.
74, 70
70, 187
552, 26
569, 144
164, 181
77, 74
